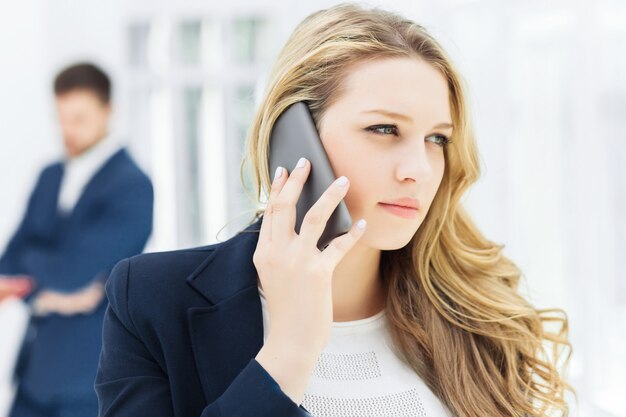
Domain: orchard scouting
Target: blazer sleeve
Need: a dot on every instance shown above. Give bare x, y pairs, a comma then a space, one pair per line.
130, 382
9, 261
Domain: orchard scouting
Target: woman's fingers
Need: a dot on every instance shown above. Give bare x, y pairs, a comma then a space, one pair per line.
339, 246
284, 205
265, 233
316, 218
279, 221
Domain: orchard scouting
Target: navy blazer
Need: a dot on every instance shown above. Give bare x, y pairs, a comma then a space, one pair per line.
181, 334
111, 220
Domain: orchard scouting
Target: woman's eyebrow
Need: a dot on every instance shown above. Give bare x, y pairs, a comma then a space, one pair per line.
443, 125
390, 114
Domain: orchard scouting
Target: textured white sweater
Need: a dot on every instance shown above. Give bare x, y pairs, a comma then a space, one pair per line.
359, 375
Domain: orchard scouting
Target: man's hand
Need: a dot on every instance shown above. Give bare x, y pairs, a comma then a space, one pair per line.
15, 286
83, 301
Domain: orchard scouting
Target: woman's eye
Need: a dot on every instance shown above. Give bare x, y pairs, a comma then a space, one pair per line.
383, 129
443, 140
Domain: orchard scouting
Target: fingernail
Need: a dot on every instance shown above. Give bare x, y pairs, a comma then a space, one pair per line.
279, 171
361, 224
301, 162
342, 181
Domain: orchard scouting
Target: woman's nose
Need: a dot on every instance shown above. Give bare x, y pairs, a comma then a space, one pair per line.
414, 161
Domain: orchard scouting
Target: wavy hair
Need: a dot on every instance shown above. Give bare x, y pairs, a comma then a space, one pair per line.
454, 310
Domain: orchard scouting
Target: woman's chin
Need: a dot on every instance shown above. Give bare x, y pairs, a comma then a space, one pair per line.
387, 238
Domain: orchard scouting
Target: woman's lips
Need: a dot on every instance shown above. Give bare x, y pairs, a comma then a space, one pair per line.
405, 212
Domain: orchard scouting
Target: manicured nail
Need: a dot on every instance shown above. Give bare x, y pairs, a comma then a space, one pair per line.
342, 181
301, 162
361, 224
278, 172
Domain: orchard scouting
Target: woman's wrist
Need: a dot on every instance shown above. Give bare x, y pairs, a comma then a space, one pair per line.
289, 366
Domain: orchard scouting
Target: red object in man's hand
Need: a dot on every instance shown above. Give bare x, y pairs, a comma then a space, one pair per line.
15, 286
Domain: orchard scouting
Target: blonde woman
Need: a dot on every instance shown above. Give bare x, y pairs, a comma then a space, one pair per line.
413, 312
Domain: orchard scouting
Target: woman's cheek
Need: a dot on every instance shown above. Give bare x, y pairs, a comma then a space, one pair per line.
355, 200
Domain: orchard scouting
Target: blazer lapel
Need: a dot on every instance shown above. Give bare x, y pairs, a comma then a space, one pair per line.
228, 333
48, 222
94, 184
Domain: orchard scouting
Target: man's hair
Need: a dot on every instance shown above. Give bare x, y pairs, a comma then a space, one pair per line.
84, 76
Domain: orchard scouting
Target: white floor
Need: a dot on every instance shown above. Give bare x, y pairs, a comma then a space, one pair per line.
13, 320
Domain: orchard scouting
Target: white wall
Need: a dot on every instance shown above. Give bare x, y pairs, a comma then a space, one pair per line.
25, 115
25, 126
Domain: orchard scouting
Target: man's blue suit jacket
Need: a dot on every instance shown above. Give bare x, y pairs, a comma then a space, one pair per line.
181, 333
111, 221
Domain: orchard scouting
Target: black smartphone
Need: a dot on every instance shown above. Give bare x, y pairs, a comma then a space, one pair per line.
294, 135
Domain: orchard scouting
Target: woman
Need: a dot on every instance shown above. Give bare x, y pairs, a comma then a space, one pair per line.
414, 314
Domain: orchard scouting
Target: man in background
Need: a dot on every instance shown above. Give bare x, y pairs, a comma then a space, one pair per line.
86, 213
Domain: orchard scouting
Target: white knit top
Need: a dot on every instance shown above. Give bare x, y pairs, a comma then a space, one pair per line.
359, 375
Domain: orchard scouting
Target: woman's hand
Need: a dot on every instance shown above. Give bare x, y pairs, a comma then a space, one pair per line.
295, 275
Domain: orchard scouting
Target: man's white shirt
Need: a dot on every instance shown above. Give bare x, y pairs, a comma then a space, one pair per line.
80, 169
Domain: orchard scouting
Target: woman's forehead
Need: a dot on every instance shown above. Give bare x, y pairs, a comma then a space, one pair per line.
404, 86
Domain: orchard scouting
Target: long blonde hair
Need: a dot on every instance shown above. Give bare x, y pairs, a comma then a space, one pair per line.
454, 310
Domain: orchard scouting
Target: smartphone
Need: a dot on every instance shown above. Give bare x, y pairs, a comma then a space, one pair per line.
294, 135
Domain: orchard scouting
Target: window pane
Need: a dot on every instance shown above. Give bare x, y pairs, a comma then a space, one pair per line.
244, 111
248, 41
189, 42
138, 37
244, 101
192, 101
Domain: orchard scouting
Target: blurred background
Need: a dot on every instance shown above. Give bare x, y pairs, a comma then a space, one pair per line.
547, 92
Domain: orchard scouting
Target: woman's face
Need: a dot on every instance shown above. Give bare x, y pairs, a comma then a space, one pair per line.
389, 156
